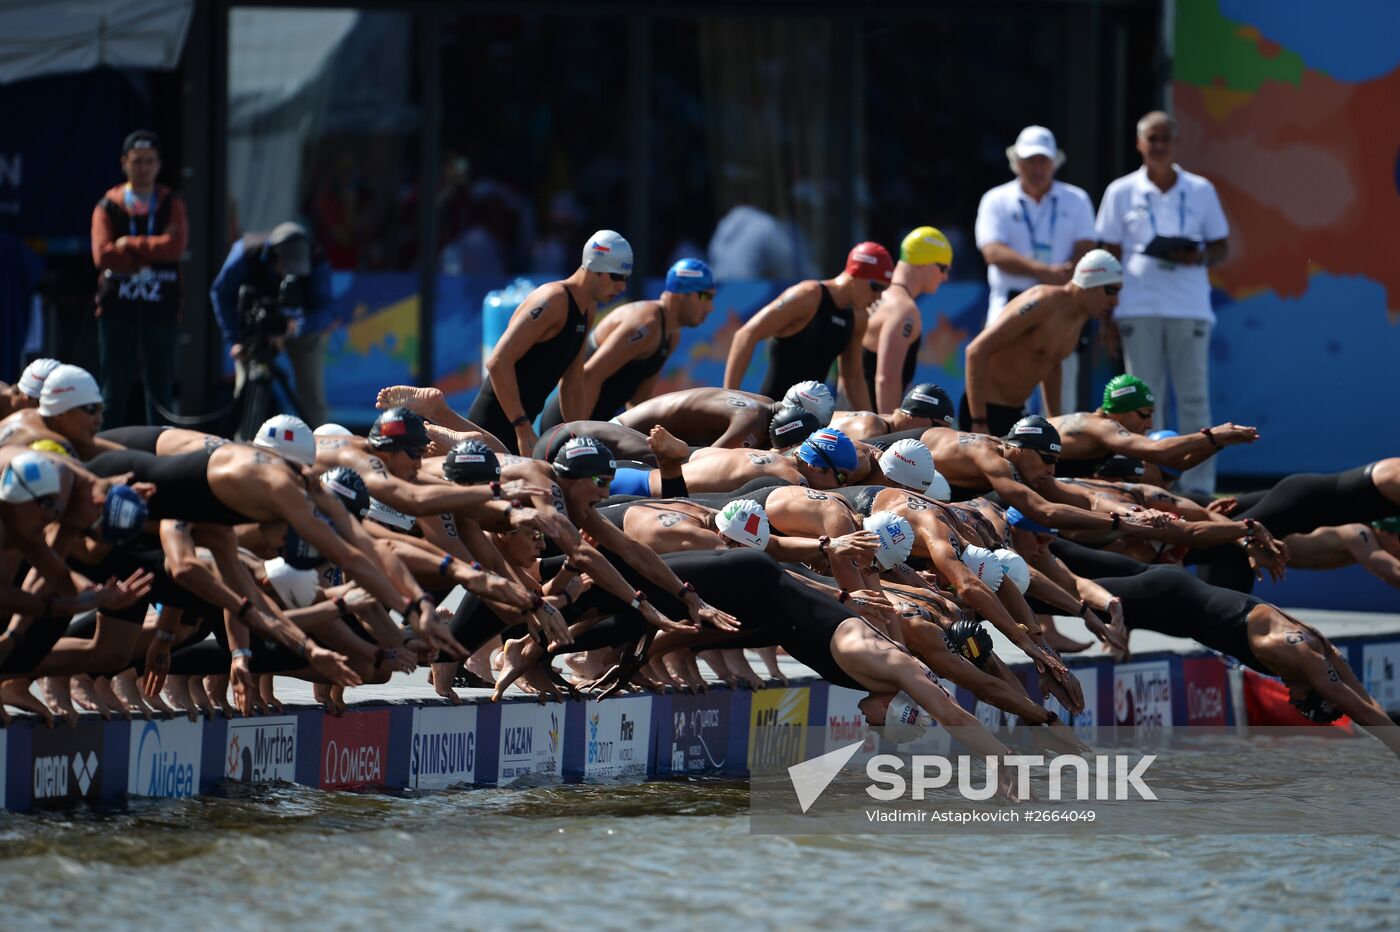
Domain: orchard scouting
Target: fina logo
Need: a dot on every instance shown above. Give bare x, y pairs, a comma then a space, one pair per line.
160, 772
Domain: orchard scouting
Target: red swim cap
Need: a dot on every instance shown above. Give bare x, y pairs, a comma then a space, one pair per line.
870, 260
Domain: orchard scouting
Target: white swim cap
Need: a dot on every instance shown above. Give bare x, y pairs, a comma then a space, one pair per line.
896, 538
67, 387
744, 521
1098, 267
31, 380
939, 490
331, 430
1015, 568
296, 588
29, 476
909, 463
905, 720
985, 565
607, 251
814, 397
289, 436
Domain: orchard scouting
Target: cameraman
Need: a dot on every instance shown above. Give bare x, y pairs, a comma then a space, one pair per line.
271, 296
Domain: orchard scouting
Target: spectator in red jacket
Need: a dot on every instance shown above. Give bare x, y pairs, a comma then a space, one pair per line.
139, 233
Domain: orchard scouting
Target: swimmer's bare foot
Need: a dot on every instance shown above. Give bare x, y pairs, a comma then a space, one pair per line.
200, 697
177, 694
669, 449
86, 696
678, 669
515, 666
1061, 642
269, 699
655, 670
769, 655
338, 697
128, 694
589, 665
216, 688
740, 665
17, 694
325, 695
56, 693
715, 660
479, 663
421, 401
443, 439
102, 687
440, 677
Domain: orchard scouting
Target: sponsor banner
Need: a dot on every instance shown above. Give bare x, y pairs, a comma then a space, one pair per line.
845, 722
532, 741
353, 749
4, 766
1142, 695
1380, 663
778, 728
165, 759
700, 729
617, 739
442, 752
1206, 690
261, 750
66, 764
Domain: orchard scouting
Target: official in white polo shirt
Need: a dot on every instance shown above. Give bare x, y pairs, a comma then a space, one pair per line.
1164, 314
1032, 230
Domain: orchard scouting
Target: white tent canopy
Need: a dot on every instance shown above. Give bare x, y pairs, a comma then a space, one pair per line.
45, 37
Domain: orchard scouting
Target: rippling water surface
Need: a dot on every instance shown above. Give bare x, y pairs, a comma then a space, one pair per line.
678, 853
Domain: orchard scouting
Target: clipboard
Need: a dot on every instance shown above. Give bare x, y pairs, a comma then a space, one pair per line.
1162, 247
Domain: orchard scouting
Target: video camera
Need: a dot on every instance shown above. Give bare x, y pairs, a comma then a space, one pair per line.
263, 317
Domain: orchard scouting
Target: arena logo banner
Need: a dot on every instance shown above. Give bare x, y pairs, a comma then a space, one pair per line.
165, 759
353, 749
618, 739
532, 742
700, 727
261, 750
778, 728
1206, 690
67, 763
443, 750
1379, 663
1142, 695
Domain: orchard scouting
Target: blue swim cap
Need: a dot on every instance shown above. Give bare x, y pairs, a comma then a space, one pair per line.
123, 514
299, 553
689, 276
1163, 434
828, 448
1018, 520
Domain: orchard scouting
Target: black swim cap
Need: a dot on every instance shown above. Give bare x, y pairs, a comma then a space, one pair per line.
791, 426
299, 553
471, 462
347, 486
971, 640
1034, 433
399, 430
585, 458
1120, 467
930, 401
1316, 709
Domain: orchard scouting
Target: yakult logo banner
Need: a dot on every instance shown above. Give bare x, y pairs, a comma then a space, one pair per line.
443, 750
261, 750
165, 759
353, 749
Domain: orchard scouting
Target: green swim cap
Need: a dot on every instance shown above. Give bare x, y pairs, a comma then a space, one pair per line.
1126, 393
1387, 524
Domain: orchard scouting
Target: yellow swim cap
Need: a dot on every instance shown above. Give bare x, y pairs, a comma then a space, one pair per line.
50, 446
924, 246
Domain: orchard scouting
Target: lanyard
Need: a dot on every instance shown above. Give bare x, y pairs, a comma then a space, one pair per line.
130, 198
1180, 214
1030, 228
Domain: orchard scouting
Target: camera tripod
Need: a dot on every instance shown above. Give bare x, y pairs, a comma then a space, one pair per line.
258, 400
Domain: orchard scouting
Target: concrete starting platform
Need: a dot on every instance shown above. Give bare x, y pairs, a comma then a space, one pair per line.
402, 736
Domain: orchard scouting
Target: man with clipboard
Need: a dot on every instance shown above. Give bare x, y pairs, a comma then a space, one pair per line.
1167, 226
